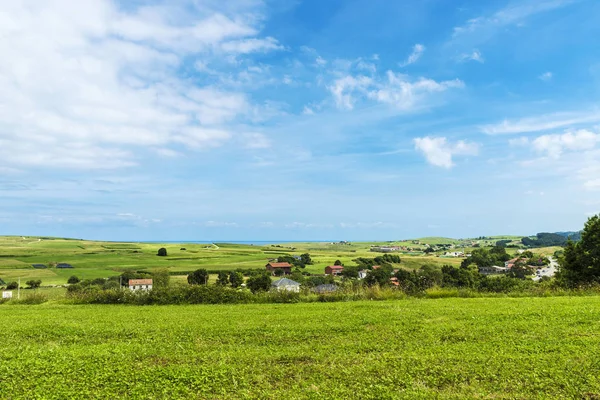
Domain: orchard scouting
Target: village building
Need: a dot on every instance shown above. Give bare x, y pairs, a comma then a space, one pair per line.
334, 270
285, 284
493, 270
140, 284
511, 263
362, 274
282, 266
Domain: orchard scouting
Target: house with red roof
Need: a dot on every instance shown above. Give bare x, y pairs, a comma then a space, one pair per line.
281, 266
334, 270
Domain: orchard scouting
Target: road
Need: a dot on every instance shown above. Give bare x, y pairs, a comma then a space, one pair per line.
548, 270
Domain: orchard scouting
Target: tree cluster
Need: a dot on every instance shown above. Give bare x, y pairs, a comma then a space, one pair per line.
581, 260
300, 262
482, 257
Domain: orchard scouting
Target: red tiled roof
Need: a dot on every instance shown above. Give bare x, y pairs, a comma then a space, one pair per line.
376, 266
336, 266
133, 282
279, 265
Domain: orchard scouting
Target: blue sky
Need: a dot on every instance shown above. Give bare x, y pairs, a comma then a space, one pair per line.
298, 120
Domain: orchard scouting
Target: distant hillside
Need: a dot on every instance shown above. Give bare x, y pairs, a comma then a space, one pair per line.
574, 236
546, 239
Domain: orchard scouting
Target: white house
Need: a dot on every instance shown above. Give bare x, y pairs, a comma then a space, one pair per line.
286, 284
362, 274
140, 284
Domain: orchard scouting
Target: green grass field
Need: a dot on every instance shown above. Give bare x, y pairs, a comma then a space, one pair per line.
92, 259
497, 348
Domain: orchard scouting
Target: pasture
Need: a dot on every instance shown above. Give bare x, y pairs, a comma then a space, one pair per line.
502, 348
93, 259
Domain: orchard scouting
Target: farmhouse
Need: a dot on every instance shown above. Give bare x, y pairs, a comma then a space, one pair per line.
511, 263
140, 284
334, 270
285, 284
282, 266
454, 254
493, 270
385, 249
362, 274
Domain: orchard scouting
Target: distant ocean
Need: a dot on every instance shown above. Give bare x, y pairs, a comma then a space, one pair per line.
248, 242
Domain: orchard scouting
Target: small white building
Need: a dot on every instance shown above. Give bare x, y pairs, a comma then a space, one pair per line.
286, 284
362, 274
140, 284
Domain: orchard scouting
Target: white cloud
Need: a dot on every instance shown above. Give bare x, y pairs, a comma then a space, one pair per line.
220, 224
546, 76
475, 55
320, 61
541, 123
398, 90
514, 13
439, 152
343, 88
555, 145
417, 52
253, 45
308, 111
405, 94
105, 81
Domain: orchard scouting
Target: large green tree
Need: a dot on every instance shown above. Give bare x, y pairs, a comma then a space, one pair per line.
581, 262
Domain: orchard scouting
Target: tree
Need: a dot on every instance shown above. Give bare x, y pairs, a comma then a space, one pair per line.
338, 262
521, 270
379, 276
162, 252
305, 259
34, 284
236, 279
12, 286
259, 283
222, 278
73, 280
350, 272
161, 278
198, 277
581, 262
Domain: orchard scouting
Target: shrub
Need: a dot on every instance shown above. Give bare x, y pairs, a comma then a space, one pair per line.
198, 277
259, 283
73, 280
12, 286
162, 252
34, 284
34, 298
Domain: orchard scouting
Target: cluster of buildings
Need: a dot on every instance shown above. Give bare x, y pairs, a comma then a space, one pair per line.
388, 249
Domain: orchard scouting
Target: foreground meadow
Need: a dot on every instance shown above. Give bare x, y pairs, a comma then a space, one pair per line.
446, 348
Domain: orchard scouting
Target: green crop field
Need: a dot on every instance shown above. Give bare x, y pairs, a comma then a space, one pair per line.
497, 348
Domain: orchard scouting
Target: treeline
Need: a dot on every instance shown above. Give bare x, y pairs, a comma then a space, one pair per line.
545, 239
